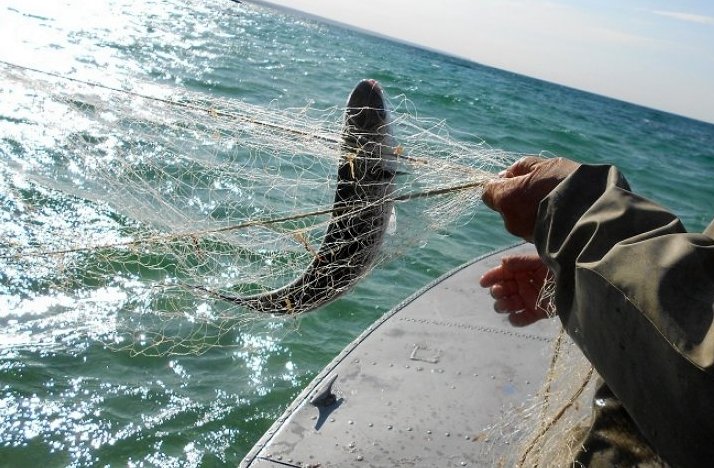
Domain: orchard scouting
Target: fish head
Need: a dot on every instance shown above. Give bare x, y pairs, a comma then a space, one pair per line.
368, 129
366, 108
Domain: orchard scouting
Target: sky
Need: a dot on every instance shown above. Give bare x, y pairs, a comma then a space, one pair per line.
659, 54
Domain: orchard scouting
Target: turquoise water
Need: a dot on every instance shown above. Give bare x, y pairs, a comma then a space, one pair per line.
67, 400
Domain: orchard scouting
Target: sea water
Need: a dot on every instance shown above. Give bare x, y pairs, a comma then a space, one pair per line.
67, 400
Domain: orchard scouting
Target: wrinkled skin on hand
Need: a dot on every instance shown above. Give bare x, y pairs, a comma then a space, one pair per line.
515, 285
520, 189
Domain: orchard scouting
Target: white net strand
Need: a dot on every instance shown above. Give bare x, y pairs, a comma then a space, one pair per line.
123, 202
549, 427
158, 190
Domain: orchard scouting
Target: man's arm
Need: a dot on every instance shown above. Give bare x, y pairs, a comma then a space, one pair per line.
636, 293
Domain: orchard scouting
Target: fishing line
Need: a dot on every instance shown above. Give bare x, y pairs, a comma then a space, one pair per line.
211, 111
248, 224
152, 189
136, 205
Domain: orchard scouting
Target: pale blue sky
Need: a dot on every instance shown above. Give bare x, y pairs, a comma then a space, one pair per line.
655, 53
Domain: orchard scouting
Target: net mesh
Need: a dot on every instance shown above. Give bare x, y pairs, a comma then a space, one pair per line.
120, 203
131, 199
549, 428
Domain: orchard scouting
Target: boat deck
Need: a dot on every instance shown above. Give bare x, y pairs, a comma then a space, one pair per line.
424, 386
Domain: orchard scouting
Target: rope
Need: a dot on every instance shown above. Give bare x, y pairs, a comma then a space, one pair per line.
210, 111
246, 224
559, 414
213, 112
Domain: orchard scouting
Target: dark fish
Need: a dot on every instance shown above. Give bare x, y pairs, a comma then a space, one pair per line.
360, 212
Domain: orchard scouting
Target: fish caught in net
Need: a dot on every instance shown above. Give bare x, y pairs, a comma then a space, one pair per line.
159, 219
170, 205
360, 212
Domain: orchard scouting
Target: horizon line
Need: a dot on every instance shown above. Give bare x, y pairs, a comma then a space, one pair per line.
341, 24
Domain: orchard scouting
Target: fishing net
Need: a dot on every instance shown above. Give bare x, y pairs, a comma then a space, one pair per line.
141, 198
123, 206
548, 428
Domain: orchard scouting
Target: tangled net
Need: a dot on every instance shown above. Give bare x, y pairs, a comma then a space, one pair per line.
134, 198
549, 428
121, 203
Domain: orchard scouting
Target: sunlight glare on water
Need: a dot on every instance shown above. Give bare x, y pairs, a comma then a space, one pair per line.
70, 395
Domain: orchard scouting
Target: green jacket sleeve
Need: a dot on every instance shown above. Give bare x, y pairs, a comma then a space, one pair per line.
636, 293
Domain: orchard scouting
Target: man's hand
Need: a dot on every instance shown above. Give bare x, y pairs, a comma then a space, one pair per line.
516, 285
519, 191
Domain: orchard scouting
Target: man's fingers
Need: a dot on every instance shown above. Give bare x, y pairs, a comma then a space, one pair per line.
525, 317
523, 166
520, 188
529, 294
493, 276
524, 268
503, 289
515, 285
497, 190
489, 193
522, 262
508, 304
510, 198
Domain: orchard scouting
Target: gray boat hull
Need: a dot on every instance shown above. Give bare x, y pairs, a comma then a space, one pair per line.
421, 387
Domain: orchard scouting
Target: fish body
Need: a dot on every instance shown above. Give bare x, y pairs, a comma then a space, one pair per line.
360, 211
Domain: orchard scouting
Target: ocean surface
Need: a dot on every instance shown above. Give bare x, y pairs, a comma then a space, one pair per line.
66, 399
